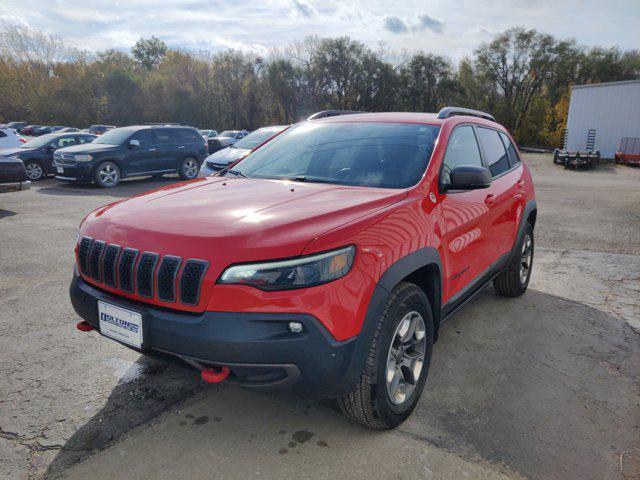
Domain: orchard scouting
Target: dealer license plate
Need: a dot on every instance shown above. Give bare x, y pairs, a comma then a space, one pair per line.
120, 324
60, 169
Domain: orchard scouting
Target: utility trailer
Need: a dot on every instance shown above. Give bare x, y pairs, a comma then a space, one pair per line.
588, 158
629, 151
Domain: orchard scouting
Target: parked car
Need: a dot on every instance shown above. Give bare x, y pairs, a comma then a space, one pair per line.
42, 130
100, 129
133, 151
207, 134
226, 138
28, 130
16, 125
326, 260
37, 154
13, 176
225, 157
68, 129
9, 138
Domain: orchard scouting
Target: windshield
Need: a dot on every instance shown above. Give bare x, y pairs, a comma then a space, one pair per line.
228, 133
39, 141
384, 155
117, 136
257, 138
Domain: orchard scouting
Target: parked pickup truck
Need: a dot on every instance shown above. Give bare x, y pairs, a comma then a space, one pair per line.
13, 176
325, 261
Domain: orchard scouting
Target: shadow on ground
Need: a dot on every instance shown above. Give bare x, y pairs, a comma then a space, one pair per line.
538, 385
6, 213
125, 189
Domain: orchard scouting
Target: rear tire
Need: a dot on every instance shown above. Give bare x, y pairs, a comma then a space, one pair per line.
189, 168
107, 175
514, 279
34, 170
398, 362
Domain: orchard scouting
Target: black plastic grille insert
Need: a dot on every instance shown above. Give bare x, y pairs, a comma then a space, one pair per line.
95, 257
191, 281
109, 262
144, 274
167, 273
83, 254
125, 269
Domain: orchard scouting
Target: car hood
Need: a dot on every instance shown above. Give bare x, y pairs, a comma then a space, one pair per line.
86, 148
224, 220
9, 152
228, 155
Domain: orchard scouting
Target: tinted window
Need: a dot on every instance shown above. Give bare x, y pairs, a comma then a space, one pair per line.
494, 152
363, 154
2, 134
145, 137
188, 136
85, 139
165, 136
462, 149
117, 136
511, 150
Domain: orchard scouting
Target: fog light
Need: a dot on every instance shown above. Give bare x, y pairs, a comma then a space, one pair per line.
295, 327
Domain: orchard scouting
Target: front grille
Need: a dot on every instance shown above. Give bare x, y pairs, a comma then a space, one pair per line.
65, 159
146, 274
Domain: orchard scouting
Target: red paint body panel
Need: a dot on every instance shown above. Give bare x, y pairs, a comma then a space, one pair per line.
227, 221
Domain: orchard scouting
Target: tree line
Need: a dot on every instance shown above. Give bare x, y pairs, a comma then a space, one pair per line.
522, 77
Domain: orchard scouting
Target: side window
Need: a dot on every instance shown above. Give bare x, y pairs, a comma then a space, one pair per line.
188, 136
63, 142
462, 149
85, 139
495, 154
511, 150
165, 136
2, 134
145, 137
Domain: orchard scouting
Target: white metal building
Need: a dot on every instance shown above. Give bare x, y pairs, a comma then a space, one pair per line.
612, 109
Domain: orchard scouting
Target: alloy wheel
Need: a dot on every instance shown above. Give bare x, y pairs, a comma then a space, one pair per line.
190, 168
108, 174
406, 357
34, 171
525, 259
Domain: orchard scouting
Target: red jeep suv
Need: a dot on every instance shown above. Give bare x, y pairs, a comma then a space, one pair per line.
326, 260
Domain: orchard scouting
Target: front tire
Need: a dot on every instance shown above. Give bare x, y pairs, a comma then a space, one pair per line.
514, 279
397, 364
189, 168
107, 175
34, 170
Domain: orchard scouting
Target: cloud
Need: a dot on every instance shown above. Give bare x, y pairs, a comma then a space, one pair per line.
429, 23
395, 25
304, 9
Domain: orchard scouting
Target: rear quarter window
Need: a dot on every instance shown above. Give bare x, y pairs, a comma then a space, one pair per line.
494, 151
188, 136
514, 159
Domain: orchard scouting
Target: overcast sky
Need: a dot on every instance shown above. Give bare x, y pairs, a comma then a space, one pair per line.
440, 26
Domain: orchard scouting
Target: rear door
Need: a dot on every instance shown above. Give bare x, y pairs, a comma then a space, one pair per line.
467, 244
141, 158
504, 197
169, 151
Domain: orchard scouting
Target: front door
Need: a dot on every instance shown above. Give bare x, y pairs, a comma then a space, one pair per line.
468, 248
142, 158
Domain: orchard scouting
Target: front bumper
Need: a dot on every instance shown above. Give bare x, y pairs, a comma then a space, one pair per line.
258, 348
82, 172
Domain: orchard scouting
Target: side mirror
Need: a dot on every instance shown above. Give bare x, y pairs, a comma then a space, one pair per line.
469, 177
134, 143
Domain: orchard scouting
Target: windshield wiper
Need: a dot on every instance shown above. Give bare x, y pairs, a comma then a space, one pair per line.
237, 173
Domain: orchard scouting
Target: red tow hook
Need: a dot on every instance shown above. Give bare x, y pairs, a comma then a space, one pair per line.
84, 326
215, 374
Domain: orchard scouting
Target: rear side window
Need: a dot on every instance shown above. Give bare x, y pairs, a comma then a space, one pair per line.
85, 139
511, 150
462, 149
188, 136
494, 151
165, 136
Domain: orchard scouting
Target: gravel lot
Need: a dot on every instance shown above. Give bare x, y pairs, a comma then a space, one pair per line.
543, 386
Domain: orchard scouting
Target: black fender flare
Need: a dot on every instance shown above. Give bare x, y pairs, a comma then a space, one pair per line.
530, 206
389, 279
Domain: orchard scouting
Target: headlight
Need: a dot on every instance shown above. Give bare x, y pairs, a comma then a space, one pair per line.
83, 158
297, 273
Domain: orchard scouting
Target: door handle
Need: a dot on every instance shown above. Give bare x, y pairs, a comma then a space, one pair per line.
489, 199
152, 149
181, 146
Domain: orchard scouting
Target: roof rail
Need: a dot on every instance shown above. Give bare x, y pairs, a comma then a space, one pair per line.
447, 112
331, 113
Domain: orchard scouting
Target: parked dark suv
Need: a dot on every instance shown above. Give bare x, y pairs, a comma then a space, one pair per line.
133, 151
37, 154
